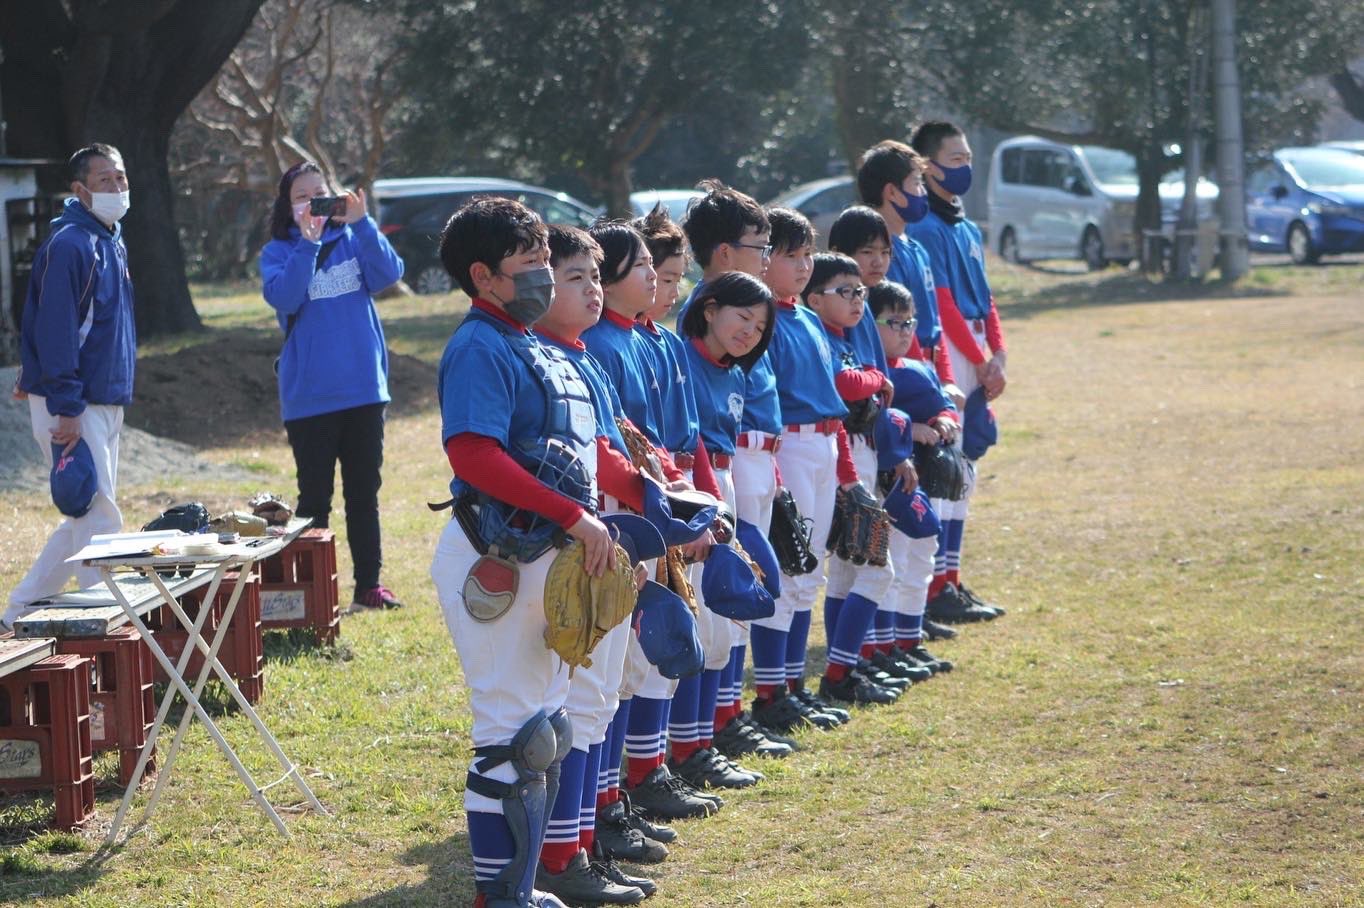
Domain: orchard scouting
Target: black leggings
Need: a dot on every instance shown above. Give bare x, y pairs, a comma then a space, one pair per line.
356, 438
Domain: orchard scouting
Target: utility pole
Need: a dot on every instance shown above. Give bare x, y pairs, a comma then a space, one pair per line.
1231, 200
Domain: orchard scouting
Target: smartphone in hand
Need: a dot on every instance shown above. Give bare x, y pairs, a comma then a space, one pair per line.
327, 206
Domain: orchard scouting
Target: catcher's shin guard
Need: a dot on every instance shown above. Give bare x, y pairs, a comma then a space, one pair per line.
535, 752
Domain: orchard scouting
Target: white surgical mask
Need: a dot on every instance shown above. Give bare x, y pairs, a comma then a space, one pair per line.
109, 207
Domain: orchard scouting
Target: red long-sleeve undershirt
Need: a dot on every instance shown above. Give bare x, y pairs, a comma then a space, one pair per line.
618, 477
858, 384
483, 463
956, 330
846, 469
703, 472
942, 363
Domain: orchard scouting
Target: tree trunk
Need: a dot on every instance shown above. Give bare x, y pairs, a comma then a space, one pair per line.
124, 82
1149, 166
1351, 92
618, 189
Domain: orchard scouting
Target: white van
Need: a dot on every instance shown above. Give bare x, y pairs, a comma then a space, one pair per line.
1054, 201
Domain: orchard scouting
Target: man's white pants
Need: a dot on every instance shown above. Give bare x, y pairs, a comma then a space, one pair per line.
101, 425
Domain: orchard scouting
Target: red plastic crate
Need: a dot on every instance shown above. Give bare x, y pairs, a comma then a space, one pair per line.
45, 735
242, 652
122, 697
299, 587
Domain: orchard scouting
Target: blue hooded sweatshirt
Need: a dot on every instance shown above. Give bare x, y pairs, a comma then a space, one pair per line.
78, 342
335, 357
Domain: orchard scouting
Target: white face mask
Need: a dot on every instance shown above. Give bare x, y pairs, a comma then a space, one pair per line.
109, 207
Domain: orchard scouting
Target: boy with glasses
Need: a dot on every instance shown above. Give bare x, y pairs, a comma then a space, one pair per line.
854, 594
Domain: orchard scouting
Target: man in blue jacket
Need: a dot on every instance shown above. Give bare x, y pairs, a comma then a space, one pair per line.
78, 348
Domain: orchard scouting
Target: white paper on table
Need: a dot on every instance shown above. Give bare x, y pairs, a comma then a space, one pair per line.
116, 545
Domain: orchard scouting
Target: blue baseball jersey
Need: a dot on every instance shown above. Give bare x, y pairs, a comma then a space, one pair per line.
845, 355
629, 365
719, 394
678, 424
910, 267
957, 254
918, 391
604, 398
865, 341
486, 388
762, 403
803, 364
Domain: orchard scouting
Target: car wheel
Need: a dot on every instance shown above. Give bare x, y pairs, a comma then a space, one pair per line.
1300, 247
432, 279
1008, 246
1092, 250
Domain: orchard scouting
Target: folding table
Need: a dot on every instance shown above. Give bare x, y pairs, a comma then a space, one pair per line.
142, 553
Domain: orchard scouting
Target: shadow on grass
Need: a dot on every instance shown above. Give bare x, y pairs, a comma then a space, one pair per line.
1119, 289
301, 643
449, 882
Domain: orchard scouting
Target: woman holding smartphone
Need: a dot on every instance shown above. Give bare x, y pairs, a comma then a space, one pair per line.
320, 272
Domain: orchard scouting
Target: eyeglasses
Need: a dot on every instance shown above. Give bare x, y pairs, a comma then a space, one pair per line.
765, 251
894, 325
848, 293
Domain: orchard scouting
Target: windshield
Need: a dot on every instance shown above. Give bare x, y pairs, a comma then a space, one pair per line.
1110, 165
1326, 167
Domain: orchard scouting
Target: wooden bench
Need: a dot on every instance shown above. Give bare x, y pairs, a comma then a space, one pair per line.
45, 726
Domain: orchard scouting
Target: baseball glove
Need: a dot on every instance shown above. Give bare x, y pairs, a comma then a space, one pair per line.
580, 609
789, 534
862, 415
270, 507
865, 535
942, 471
672, 568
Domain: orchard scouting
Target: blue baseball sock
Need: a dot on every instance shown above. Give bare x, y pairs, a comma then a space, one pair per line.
832, 608
592, 787
769, 660
491, 842
853, 621
909, 629
561, 838
796, 641
683, 731
705, 707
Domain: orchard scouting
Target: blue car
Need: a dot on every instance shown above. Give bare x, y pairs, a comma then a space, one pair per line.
1308, 202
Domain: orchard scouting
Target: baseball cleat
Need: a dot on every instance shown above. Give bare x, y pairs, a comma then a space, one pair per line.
935, 631
923, 657
584, 883
950, 608
900, 668
818, 703
858, 689
975, 600
660, 797
619, 838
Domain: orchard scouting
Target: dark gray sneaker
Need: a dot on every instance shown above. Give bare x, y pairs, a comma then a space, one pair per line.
706, 768
739, 739
647, 828
934, 631
975, 600
619, 838
950, 608
900, 668
856, 688
816, 702
660, 797
584, 883
608, 868
925, 658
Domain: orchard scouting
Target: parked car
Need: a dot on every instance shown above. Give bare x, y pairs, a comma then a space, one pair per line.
1308, 202
1351, 145
674, 200
413, 211
1048, 201
822, 201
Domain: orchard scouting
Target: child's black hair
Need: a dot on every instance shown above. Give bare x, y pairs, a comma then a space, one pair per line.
733, 288
720, 216
567, 242
662, 235
488, 229
856, 227
620, 244
885, 162
791, 230
928, 137
889, 296
829, 265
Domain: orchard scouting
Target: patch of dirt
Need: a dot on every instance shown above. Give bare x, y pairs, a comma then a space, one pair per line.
223, 391
217, 393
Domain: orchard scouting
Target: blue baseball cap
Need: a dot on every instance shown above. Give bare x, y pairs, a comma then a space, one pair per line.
891, 435
666, 630
979, 431
911, 512
640, 538
760, 550
730, 589
73, 479
659, 512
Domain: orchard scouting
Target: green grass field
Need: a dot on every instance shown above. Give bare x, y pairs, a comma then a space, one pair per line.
1172, 713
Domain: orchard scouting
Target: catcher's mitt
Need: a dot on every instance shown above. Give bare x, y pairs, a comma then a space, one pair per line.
270, 507
865, 528
789, 534
942, 471
862, 415
580, 609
